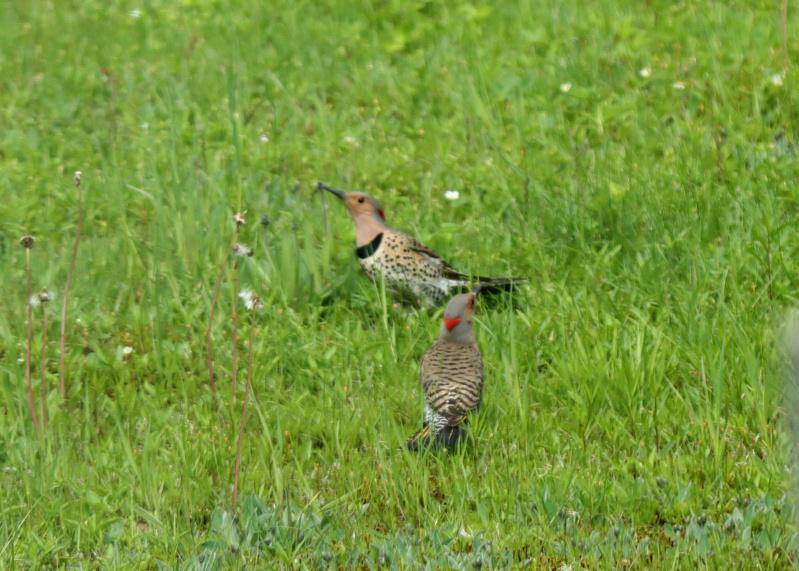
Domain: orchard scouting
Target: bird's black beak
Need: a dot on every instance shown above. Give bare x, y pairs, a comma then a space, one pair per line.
476, 290
322, 186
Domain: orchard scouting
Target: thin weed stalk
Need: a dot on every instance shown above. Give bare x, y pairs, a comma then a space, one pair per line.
253, 302
61, 367
44, 364
239, 250
236, 331
239, 221
27, 242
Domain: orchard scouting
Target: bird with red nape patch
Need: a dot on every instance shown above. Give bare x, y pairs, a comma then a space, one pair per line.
452, 377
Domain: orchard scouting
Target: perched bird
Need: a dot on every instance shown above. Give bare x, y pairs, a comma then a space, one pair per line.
452, 377
409, 268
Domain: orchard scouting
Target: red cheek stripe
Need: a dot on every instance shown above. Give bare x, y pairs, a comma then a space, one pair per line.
383, 216
451, 323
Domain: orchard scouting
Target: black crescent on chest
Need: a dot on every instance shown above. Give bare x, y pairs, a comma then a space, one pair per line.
370, 248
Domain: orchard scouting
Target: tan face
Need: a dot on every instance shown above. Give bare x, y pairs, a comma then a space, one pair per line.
361, 204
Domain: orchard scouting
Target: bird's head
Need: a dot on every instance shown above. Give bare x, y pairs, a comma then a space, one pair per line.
360, 204
366, 212
459, 315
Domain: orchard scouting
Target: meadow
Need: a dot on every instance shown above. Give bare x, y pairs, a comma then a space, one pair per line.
636, 161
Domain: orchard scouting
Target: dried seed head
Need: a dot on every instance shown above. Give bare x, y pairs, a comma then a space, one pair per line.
242, 250
265, 220
27, 242
251, 301
238, 218
42, 297
78, 174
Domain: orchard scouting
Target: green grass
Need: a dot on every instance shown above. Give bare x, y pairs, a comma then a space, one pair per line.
634, 411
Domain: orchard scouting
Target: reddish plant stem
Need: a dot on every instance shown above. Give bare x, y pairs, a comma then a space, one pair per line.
236, 330
243, 414
211, 315
44, 367
61, 366
30, 342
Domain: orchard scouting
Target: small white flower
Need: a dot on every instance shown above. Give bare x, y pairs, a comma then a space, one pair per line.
264, 139
145, 125
565, 87
350, 140
239, 219
452, 195
20, 360
135, 14
645, 72
127, 350
776, 79
678, 85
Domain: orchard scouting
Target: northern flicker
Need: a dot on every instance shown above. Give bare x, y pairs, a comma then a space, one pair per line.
409, 268
452, 377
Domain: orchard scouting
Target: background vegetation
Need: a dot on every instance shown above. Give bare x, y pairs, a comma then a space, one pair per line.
635, 160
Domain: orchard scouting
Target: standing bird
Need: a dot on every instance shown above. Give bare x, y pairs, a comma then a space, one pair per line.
409, 268
452, 377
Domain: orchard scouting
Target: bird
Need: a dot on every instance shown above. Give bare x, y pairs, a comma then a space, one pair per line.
451, 374
409, 268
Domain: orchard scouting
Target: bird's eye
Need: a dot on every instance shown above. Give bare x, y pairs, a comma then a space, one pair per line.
361, 200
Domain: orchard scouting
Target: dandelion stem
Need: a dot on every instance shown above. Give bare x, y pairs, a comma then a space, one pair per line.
30, 342
211, 315
236, 329
243, 413
61, 366
324, 209
44, 366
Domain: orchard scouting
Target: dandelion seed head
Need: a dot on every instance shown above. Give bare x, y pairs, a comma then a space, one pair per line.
239, 219
776, 79
135, 14
452, 195
565, 87
246, 295
645, 72
251, 301
44, 296
678, 85
27, 242
264, 139
127, 350
242, 250
78, 174
350, 140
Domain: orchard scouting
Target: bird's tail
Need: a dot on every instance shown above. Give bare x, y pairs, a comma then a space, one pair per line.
448, 437
498, 285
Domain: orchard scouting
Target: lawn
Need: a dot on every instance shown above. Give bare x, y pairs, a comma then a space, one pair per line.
635, 161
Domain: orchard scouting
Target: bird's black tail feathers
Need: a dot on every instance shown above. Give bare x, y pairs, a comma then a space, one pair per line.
487, 285
498, 285
448, 437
